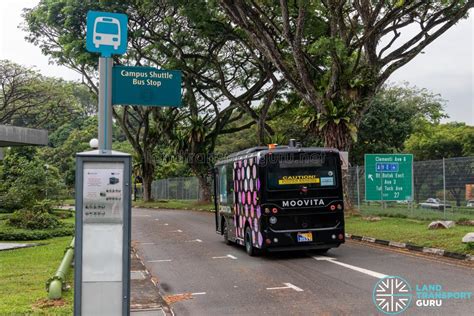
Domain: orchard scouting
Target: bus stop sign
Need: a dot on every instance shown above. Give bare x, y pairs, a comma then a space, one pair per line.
389, 177
106, 33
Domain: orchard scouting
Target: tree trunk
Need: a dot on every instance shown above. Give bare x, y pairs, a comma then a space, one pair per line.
338, 136
147, 180
205, 187
148, 173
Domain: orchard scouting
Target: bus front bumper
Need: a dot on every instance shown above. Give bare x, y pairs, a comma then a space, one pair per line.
303, 240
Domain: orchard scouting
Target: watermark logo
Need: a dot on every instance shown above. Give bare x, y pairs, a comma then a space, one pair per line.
392, 295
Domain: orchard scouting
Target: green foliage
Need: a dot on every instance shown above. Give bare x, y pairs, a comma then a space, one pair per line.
69, 139
437, 141
30, 219
27, 179
31, 100
38, 216
62, 214
395, 113
336, 54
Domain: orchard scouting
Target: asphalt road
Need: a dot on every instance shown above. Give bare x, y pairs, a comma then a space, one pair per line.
183, 251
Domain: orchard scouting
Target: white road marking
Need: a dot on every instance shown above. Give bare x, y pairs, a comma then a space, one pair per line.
288, 286
225, 257
294, 287
140, 215
161, 260
147, 243
361, 270
157, 219
176, 231
278, 288
165, 224
194, 240
199, 293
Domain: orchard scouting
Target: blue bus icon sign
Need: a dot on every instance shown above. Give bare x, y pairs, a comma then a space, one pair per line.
106, 33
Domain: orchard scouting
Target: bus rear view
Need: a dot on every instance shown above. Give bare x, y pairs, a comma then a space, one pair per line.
282, 198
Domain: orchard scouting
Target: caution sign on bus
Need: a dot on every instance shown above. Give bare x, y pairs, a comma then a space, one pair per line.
300, 179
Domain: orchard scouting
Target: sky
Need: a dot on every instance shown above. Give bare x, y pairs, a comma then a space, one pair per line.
446, 67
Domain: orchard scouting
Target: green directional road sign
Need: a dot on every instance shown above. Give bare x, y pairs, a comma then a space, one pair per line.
146, 86
389, 177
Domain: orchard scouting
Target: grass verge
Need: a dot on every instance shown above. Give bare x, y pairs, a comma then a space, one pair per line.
411, 231
176, 204
403, 211
23, 273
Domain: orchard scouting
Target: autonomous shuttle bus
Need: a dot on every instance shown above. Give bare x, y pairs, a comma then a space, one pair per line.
280, 198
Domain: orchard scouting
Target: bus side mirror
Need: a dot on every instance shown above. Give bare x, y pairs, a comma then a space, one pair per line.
344, 155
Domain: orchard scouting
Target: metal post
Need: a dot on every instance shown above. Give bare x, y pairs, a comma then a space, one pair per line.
56, 283
381, 190
444, 189
105, 103
358, 189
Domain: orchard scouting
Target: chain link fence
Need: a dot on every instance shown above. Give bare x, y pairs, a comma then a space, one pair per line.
176, 189
449, 183
442, 189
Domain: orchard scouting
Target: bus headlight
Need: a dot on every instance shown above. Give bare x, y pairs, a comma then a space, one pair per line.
273, 220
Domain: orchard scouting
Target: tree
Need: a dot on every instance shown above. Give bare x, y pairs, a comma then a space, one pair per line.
66, 141
336, 54
163, 35
438, 141
31, 100
26, 179
394, 114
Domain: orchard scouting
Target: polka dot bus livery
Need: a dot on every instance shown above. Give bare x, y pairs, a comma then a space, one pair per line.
280, 198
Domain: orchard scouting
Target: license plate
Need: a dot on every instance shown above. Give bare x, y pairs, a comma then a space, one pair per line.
304, 237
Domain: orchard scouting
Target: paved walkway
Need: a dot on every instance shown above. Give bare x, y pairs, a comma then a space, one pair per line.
145, 297
11, 245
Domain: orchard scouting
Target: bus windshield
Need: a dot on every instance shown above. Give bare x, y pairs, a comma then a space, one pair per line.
291, 172
107, 28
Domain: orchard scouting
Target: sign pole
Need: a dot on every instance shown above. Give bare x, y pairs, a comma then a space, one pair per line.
358, 189
105, 103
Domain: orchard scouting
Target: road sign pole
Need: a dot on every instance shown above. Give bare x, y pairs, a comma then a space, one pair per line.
105, 103
381, 191
358, 188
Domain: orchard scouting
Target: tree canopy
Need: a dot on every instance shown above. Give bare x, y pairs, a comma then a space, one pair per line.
336, 54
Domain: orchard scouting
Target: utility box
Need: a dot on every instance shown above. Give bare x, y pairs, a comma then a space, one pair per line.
103, 226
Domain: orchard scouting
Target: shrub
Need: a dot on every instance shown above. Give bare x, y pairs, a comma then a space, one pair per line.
45, 206
24, 180
13, 235
30, 219
63, 214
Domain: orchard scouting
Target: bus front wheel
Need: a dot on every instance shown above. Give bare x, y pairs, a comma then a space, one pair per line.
249, 248
225, 230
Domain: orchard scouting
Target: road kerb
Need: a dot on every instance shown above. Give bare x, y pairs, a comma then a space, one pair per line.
412, 247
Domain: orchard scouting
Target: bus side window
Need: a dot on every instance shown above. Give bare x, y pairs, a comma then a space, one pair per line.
222, 185
230, 186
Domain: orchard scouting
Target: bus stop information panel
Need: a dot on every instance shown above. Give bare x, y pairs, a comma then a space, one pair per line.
102, 258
